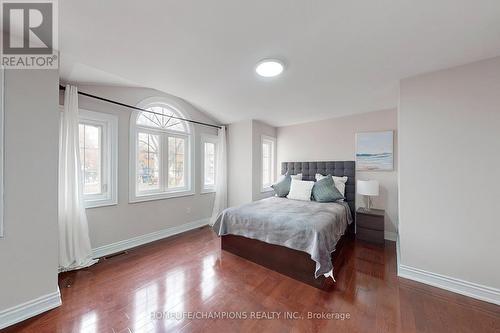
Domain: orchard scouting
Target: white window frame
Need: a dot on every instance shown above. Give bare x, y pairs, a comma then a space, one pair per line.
163, 192
109, 158
208, 138
272, 140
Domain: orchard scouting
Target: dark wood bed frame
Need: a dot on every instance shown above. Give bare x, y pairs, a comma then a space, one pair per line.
293, 263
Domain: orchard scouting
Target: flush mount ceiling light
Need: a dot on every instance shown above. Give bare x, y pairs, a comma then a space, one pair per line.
269, 67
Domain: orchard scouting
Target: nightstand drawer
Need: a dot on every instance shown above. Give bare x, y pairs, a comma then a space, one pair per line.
374, 236
370, 222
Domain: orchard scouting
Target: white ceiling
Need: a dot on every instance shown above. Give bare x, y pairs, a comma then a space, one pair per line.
342, 57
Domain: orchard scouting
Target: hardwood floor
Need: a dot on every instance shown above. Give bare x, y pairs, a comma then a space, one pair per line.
137, 292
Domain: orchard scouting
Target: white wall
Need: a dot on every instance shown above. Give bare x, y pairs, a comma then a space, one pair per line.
449, 135
239, 163
111, 224
29, 250
245, 161
258, 130
334, 140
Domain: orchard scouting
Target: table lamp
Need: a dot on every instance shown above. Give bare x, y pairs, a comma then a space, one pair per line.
368, 188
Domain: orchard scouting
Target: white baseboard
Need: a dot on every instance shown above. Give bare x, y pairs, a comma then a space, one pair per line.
126, 244
391, 235
474, 290
39, 305
398, 253
29, 309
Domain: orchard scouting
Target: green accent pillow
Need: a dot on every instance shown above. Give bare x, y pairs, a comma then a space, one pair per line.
282, 188
324, 190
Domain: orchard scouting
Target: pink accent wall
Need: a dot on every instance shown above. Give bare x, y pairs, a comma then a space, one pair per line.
334, 139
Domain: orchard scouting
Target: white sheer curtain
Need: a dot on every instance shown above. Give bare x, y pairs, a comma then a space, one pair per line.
220, 202
74, 243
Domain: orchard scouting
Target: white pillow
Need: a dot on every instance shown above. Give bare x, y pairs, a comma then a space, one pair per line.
340, 184
338, 181
300, 190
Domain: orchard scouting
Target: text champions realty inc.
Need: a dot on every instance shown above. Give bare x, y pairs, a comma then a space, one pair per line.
251, 315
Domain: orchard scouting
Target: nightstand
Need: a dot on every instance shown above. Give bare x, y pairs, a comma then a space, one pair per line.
370, 225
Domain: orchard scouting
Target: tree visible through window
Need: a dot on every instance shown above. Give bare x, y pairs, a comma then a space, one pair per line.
98, 144
176, 159
90, 158
148, 175
162, 153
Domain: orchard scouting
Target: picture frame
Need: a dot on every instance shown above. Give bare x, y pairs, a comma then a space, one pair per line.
375, 151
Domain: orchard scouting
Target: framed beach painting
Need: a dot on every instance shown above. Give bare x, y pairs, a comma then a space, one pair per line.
375, 151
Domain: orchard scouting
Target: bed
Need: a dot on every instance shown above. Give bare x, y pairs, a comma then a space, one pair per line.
303, 240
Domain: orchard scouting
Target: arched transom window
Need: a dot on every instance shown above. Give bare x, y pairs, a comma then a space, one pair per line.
162, 119
161, 150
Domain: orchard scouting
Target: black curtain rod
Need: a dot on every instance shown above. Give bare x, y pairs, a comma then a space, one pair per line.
139, 109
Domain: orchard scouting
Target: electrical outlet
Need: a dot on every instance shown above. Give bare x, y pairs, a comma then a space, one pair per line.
188, 210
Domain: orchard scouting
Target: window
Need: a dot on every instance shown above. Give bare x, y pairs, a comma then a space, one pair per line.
176, 162
98, 157
268, 162
90, 158
148, 158
209, 162
160, 153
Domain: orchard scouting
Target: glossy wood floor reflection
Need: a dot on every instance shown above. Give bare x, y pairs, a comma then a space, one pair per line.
190, 273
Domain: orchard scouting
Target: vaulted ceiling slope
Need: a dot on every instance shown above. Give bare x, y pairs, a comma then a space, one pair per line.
342, 57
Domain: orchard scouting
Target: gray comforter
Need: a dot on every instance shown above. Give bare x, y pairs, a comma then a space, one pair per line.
307, 226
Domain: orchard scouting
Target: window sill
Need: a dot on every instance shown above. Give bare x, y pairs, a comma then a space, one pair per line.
97, 204
160, 196
207, 190
266, 189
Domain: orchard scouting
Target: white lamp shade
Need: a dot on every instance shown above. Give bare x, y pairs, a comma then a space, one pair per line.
368, 187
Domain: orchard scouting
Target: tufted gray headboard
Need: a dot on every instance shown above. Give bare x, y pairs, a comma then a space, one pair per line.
334, 168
